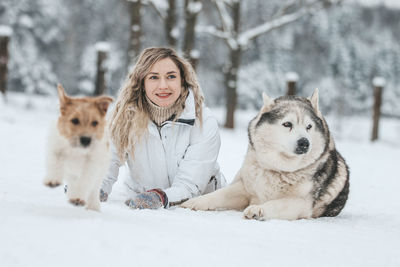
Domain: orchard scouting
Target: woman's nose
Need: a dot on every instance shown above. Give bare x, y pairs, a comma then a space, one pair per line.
163, 83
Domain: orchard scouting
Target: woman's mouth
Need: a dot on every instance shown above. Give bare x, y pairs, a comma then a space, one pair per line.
163, 95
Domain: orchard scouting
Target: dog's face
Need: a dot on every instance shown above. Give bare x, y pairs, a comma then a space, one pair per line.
289, 133
82, 120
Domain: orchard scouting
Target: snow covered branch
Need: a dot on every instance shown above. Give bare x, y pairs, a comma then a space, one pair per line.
161, 7
281, 18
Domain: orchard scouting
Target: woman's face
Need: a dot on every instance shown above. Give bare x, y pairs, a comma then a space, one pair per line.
163, 83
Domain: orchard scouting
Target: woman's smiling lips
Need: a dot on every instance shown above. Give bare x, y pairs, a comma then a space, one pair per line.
163, 95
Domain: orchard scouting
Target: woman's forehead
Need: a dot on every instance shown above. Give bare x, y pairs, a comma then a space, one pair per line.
163, 66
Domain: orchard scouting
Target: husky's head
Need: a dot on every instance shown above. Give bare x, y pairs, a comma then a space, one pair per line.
289, 133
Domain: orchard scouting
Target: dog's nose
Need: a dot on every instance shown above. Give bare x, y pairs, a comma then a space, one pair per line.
302, 145
85, 141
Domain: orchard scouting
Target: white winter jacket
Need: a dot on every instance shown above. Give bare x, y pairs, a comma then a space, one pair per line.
180, 158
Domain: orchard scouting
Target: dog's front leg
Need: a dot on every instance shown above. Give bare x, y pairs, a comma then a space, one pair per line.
94, 200
54, 170
285, 209
233, 196
77, 192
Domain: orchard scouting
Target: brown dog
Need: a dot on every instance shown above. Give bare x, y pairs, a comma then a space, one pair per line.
78, 151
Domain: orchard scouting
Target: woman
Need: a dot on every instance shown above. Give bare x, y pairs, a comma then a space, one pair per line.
161, 129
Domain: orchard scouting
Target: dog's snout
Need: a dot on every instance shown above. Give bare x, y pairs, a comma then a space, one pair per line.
302, 145
85, 141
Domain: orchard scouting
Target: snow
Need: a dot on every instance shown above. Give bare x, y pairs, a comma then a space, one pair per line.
5, 30
102, 47
379, 82
292, 77
194, 7
40, 228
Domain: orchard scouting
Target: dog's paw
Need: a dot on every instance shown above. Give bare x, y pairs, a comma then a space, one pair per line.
77, 202
93, 206
254, 212
51, 183
198, 203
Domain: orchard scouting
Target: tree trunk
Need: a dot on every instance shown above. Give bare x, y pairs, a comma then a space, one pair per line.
101, 72
231, 87
170, 22
4, 40
378, 88
232, 72
135, 30
190, 24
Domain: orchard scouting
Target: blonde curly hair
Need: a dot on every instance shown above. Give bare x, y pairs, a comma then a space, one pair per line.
130, 118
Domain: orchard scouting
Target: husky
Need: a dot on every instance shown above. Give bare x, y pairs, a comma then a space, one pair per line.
291, 170
78, 148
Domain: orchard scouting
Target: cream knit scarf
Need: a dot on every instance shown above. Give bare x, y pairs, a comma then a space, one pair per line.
161, 114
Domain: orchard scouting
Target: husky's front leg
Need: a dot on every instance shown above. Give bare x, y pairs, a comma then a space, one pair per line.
54, 170
285, 209
233, 196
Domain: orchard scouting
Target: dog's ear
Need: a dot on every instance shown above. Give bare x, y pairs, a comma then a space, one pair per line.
64, 99
267, 103
102, 103
314, 99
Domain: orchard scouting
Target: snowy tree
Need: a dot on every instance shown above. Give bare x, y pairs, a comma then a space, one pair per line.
238, 40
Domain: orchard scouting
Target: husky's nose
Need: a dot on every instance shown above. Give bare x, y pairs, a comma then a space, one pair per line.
85, 141
302, 146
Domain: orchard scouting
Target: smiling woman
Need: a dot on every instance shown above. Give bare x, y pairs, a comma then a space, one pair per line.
161, 129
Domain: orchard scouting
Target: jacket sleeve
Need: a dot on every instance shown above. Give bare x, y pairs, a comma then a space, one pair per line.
199, 162
113, 171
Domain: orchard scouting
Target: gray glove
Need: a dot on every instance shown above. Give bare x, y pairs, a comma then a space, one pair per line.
152, 199
103, 196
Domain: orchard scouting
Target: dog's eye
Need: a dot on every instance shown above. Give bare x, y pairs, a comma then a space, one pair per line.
75, 121
309, 127
287, 124
94, 123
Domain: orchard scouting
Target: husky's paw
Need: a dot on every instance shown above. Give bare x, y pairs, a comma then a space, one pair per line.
77, 202
254, 212
51, 183
198, 203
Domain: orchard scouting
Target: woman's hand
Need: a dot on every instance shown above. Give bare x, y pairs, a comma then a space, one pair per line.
152, 199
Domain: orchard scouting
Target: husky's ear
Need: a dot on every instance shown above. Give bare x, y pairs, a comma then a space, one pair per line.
102, 103
267, 103
314, 99
64, 99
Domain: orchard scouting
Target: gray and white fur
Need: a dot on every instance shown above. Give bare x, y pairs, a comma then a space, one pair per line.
292, 169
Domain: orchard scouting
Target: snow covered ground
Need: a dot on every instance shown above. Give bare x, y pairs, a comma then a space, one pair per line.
39, 228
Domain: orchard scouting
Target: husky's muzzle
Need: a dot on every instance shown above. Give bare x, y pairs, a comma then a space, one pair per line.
302, 146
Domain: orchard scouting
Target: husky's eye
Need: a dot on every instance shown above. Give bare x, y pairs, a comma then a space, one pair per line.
309, 127
94, 123
287, 124
75, 121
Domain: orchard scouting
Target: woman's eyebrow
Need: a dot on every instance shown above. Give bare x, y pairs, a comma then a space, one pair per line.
169, 72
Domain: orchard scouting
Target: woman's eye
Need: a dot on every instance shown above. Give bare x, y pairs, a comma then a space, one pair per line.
309, 127
153, 77
75, 121
287, 124
171, 76
94, 123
